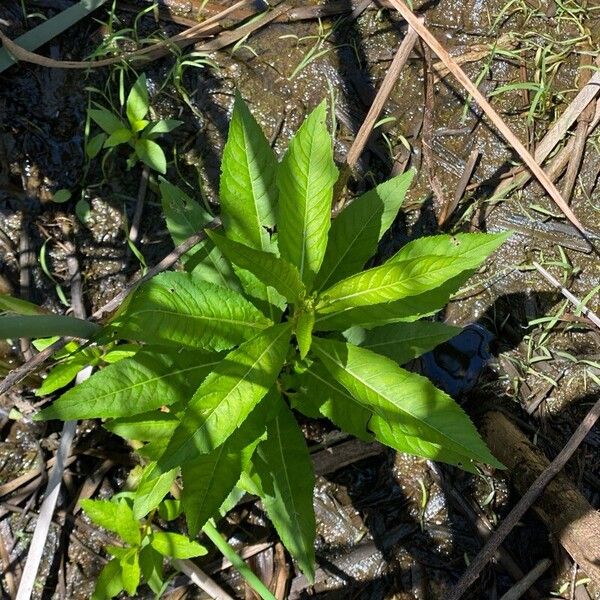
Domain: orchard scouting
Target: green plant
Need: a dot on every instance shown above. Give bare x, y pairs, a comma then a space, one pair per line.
274, 316
137, 132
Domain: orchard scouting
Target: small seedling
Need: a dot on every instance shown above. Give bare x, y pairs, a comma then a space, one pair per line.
137, 131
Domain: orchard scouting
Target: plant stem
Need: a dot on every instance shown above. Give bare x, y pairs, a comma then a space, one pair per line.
230, 554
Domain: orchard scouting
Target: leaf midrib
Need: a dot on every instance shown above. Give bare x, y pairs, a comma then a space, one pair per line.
404, 282
346, 251
225, 398
289, 486
253, 324
153, 379
469, 453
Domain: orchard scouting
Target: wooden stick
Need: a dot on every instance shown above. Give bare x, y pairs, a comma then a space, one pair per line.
591, 315
362, 137
523, 505
517, 590
471, 88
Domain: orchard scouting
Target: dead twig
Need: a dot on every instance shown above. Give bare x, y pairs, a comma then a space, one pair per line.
362, 137
201, 579
523, 505
517, 590
591, 315
491, 113
449, 209
439, 198
189, 36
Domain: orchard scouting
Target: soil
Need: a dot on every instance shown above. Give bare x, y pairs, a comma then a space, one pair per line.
387, 527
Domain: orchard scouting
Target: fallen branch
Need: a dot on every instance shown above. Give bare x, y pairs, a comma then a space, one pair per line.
149, 53
514, 454
362, 137
499, 123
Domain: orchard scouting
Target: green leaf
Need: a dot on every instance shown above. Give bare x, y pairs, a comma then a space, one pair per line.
151, 490
137, 126
137, 100
356, 231
146, 426
320, 395
403, 341
134, 385
407, 309
61, 196
94, 145
469, 249
107, 121
116, 517
151, 566
18, 326
209, 478
169, 510
61, 375
177, 308
151, 154
164, 126
420, 266
287, 479
109, 583
304, 329
412, 407
17, 306
228, 395
248, 193
120, 136
268, 268
175, 545
130, 571
186, 217
305, 179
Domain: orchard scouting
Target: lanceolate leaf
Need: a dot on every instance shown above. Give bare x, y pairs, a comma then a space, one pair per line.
151, 154
287, 481
114, 516
134, 385
403, 341
186, 217
248, 190
178, 309
470, 248
304, 329
106, 120
144, 427
356, 231
229, 393
268, 268
426, 264
151, 490
137, 101
415, 409
209, 478
407, 309
305, 180
322, 394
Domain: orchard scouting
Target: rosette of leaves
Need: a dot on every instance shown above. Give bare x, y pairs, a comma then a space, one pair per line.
136, 131
275, 315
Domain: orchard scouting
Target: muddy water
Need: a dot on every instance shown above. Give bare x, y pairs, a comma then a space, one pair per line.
386, 529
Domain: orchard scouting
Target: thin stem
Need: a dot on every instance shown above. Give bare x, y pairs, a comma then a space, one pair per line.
230, 554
